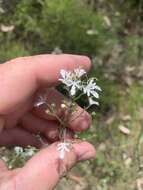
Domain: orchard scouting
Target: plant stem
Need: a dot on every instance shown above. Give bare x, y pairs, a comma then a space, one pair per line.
55, 115
75, 99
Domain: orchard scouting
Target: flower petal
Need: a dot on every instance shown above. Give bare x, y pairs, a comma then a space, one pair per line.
73, 90
79, 72
92, 102
95, 94
62, 155
98, 88
63, 73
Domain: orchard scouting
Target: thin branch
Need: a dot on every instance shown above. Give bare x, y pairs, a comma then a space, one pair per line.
55, 115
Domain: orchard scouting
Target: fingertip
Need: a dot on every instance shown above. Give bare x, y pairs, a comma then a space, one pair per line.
84, 151
86, 61
80, 121
86, 122
82, 60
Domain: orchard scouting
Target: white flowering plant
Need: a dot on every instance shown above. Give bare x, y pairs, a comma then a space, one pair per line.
76, 84
18, 157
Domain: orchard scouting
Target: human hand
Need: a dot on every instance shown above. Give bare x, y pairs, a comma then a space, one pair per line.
20, 80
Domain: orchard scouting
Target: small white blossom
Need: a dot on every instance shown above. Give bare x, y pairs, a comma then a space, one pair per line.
41, 100
92, 102
75, 85
5, 159
66, 77
91, 88
18, 150
63, 106
63, 147
30, 152
79, 72
70, 80
27, 152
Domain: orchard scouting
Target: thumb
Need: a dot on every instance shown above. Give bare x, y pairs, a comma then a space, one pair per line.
43, 170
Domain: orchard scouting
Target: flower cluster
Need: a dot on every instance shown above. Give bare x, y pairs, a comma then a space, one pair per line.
72, 81
76, 87
27, 152
63, 147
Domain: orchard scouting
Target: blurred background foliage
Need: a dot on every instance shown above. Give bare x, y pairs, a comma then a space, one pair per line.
111, 34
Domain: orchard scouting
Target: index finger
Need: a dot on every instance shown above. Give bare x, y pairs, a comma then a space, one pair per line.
21, 77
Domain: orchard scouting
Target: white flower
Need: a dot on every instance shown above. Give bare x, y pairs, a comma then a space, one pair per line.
66, 77
75, 85
92, 102
79, 72
70, 80
18, 150
91, 88
63, 147
73, 82
30, 152
41, 100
